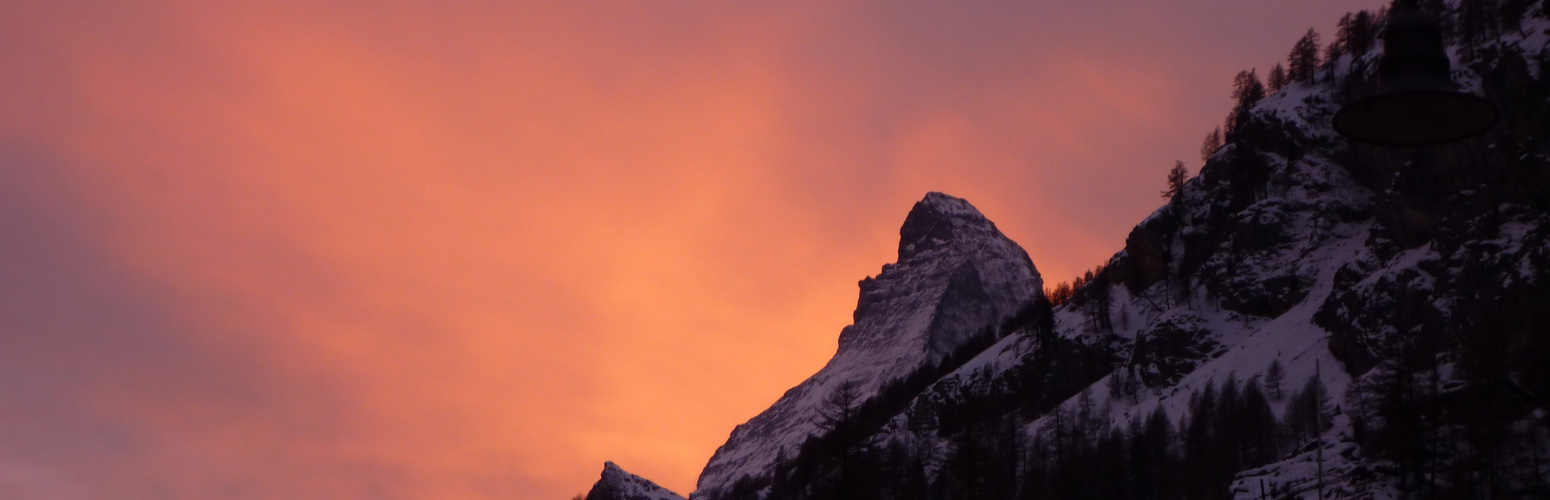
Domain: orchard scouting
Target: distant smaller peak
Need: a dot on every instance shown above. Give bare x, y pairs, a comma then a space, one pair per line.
614, 474
618, 484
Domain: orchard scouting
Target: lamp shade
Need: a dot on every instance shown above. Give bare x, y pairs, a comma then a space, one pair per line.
1417, 102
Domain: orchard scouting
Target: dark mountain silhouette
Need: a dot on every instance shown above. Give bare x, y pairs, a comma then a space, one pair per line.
1306, 318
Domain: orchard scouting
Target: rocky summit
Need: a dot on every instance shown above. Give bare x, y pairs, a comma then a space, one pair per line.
956, 273
616, 484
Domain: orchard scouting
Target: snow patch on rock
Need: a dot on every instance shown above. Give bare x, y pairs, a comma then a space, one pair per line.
617, 484
956, 275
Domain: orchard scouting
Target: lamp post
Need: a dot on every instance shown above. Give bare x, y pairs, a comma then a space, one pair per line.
1417, 102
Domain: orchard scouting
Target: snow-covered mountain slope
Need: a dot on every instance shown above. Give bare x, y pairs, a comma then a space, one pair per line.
1386, 272
1216, 285
617, 484
1308, 318
956, 274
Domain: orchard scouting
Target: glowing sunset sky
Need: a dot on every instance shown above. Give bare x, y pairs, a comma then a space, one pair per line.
458, 249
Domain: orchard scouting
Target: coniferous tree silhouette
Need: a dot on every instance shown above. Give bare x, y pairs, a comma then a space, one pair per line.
1258, 430
1304, 58
1177, 176
837, 420
1247, 90
1354, 35
1211, 144
1276, 79
1275, 377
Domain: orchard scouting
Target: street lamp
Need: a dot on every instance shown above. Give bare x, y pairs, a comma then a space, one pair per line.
1417, 102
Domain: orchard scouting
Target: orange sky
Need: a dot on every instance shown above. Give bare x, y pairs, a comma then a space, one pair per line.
468, 249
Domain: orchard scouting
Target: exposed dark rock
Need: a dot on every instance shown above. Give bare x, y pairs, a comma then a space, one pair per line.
959, 313
1146, 257
1171, 347
956, 276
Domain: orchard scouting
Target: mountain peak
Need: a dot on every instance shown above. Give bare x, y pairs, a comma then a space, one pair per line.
956, 276
617, 484
613, 470
937, 220
948, 204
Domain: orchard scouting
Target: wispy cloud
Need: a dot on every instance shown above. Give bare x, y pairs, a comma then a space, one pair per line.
473, 249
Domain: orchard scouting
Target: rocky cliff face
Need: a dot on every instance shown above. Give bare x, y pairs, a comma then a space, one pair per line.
616, 484
956, 275
1309, 318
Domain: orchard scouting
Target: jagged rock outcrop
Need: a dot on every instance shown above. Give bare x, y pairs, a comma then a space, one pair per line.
1401, 295
956, 275
616, 484
1171, 347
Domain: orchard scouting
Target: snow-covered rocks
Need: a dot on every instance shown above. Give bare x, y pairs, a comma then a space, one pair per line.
956, 274
617, 484
1292, 248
